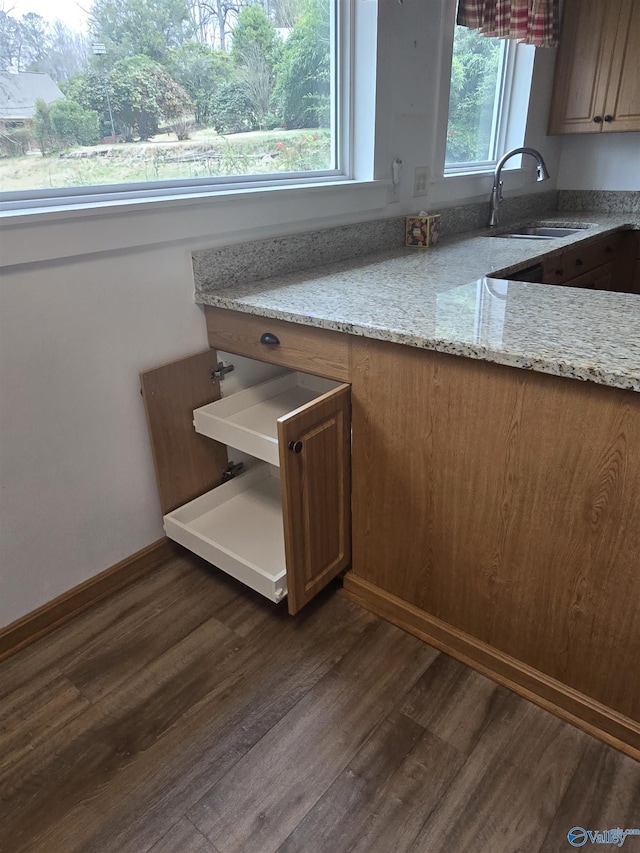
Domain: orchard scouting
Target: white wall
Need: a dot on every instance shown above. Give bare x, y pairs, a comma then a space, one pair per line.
603, 161
87, 302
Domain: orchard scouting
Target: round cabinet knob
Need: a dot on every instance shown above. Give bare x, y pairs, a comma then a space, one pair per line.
608, 119
579, 262
269, 339
296, 446
597, 119
560, 272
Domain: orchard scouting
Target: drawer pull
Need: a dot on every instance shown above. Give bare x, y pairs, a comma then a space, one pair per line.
296, 446
269, 339
579, 262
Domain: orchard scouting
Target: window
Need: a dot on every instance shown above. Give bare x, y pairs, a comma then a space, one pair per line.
478, 73
146, 95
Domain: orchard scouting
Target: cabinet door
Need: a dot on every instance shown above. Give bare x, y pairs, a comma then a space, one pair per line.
187, 464
315, 470
622, 105
589, 29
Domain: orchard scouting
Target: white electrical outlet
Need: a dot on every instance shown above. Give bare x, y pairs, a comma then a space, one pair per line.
420, 181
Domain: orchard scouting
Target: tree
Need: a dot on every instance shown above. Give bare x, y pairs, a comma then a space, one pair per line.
73, 125
142, 94
255, 32
304, 72
142, 27
43, 127
200, 71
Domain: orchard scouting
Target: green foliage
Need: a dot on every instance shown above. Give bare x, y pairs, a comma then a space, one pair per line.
304, 86
201, 72
141, 27
73, 125
473, 84
142, 94
14, 142
43, 131
254, 31
231, 110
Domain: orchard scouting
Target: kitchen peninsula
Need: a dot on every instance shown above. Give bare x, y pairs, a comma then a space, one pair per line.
495, 456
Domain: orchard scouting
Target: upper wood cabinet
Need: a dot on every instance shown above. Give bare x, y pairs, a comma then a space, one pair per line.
597, 79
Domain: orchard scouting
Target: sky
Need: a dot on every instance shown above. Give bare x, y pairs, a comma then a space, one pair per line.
68, 11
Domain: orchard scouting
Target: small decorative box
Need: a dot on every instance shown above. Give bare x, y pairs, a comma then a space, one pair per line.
423, 230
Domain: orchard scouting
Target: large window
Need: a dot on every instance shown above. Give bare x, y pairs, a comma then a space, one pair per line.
476, 127
190, 92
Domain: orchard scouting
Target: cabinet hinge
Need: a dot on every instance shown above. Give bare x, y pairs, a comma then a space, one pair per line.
220, 371
232, 470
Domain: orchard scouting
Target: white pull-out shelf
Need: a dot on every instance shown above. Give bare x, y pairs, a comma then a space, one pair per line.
238, 527
248, 420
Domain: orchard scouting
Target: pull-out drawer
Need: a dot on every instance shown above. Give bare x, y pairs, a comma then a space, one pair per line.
238, 528
248, 420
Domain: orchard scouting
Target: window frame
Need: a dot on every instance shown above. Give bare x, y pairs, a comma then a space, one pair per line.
342, 37
515, 91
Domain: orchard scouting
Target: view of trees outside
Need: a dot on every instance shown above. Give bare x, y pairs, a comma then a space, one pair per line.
170, 89
474, 80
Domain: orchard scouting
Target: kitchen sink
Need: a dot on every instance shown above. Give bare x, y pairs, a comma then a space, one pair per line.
540, 232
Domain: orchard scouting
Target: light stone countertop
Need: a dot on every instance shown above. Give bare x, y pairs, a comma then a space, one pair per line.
456, 298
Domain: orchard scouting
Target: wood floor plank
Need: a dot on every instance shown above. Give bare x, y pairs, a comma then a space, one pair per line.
604, 794
183, 837
76, 638
340, 817
97, 744
410, 797
32, 713
510, 787
141, 636
136, 791
257, 805
454, 702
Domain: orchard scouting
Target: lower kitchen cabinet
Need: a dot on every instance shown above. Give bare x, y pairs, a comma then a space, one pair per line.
283, 527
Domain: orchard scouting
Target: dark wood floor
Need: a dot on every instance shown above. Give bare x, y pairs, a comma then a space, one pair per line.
188, 715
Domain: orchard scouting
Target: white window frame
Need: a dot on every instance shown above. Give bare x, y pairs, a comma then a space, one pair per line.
342, 63
512, 95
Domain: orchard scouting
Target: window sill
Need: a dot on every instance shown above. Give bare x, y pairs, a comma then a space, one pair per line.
39, 234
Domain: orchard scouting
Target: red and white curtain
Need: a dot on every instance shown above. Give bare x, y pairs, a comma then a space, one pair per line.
529, 21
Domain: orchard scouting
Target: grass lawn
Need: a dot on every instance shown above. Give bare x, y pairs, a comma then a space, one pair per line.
205, 154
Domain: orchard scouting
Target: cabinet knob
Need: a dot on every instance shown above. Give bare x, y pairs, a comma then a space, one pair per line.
269, 339
608, 118
579, 262
296, 446
560, 272
597, 119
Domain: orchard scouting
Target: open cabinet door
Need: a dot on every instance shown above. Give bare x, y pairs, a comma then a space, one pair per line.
187, 464
315, 470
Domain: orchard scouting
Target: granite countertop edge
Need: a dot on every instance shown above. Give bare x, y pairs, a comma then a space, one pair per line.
339, 296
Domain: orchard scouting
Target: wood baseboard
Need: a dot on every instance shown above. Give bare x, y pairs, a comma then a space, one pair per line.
65, 607
592, 717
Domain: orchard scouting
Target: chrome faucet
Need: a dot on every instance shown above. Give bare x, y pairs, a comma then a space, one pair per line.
496, 192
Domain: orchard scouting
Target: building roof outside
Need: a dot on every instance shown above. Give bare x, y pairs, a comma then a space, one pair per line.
19, 93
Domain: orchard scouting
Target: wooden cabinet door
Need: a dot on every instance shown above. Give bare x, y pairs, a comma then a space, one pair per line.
315, 471
589, 29
622, 104
187, 464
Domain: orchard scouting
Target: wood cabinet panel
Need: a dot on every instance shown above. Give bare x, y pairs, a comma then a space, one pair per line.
504, 503
187, 464
596, 87
319, 351
564, 266
622, 101
315, 463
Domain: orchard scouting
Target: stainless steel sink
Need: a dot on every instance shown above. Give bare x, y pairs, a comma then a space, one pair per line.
539, 232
